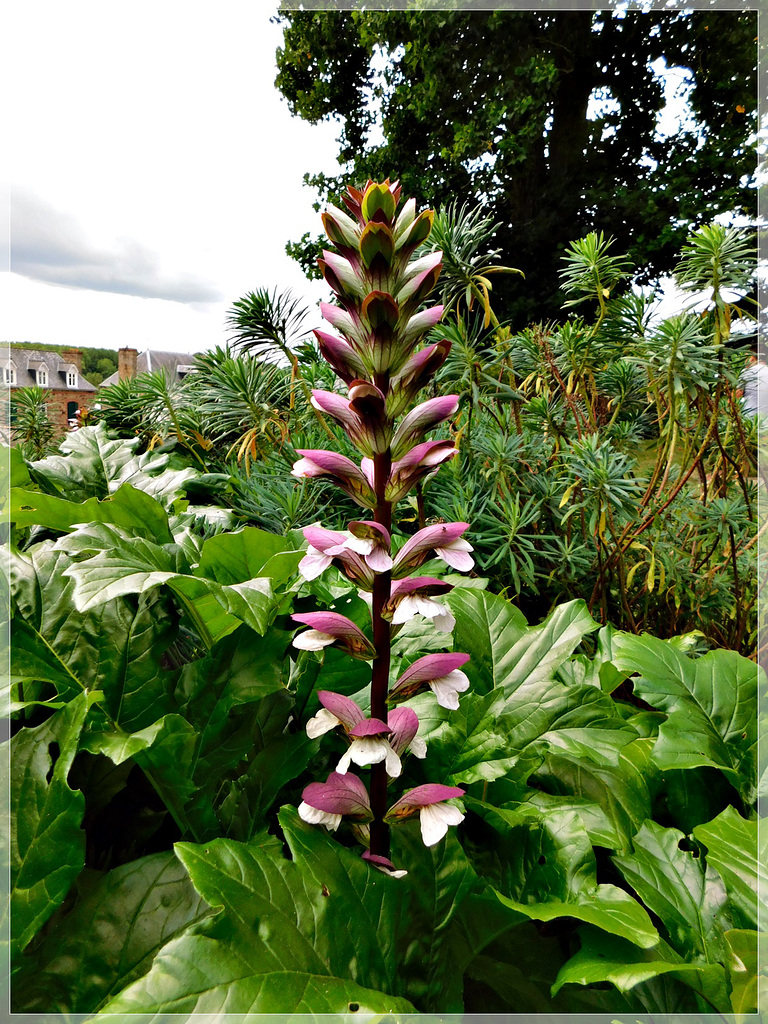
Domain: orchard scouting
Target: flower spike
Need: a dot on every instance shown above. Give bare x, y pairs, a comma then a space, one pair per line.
381, 320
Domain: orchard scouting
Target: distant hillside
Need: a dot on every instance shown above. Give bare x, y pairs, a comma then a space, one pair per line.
98, 363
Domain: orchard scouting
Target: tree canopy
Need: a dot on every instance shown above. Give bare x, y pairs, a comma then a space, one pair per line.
547, 118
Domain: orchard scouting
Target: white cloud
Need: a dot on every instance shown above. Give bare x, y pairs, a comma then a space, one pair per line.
51, 246
154, 170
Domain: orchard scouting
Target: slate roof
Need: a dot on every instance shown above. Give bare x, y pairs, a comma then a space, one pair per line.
151, 360
28, 360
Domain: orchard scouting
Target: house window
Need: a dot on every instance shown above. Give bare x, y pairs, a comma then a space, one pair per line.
42, 377
72, 408
71, 379
9, 375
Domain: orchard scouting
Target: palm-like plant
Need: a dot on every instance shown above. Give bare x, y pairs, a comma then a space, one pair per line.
33, 432
273, 324
592, 272
270, 323
463, 234
120, 407
240, 400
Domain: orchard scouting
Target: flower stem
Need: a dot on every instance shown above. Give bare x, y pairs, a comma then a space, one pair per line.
380, 674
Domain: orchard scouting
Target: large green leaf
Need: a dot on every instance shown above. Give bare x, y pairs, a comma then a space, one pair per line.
199, 976
129, 508
167, 760
710, 704
675, 884
235, 557
90, 464
242, 803
748, 956
14, 469
113, 564
84, 466
109, 937
115, 648
504, 650
598, 766
216, 749
732, 848
487, 627
312, 934
598, 670
688, 797
516, 972
246, 753
542, 865
440, 878
47, 843
479, 920
492, 733
609, 958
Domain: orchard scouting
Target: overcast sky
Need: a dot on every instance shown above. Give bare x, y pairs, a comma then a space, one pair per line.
152, 172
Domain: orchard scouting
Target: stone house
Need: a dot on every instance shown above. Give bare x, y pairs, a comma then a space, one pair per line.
60, 374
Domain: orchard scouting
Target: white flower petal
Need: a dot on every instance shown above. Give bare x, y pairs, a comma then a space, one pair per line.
362, 545
312, 640
322, 723
344, 763
379, 560
302, 467
366, 750
435, 819
418, 747
392, 763
430, 608
444, 623
455, 556
313, 564
397, 873
445, 693
317, 817
447, 689
406, 609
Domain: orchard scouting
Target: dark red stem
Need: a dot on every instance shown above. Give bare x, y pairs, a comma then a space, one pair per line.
380, 674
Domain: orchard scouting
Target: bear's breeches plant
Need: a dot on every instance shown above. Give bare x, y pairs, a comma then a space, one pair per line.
379, 323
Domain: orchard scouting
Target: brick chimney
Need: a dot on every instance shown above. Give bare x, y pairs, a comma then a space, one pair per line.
126, 363
73, 355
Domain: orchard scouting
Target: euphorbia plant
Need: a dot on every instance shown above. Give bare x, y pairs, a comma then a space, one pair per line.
381, 291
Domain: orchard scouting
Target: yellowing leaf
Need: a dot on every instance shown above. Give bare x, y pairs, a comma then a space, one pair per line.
568, 492
632, 572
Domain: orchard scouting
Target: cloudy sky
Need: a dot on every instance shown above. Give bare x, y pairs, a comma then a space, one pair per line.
152, 172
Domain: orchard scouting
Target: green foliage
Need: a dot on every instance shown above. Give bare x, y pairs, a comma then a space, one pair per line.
33, 432
165, 695
610, 457
98, 364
